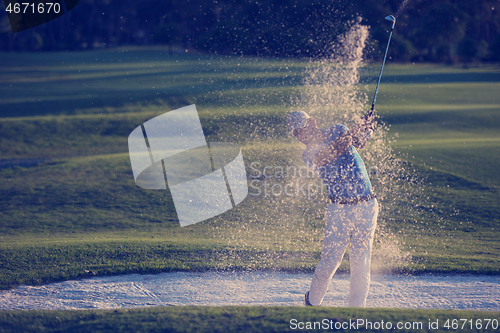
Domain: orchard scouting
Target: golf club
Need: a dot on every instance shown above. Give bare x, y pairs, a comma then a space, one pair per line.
393, 19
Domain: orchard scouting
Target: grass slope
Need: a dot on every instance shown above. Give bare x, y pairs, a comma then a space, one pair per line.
79, 210
247, 319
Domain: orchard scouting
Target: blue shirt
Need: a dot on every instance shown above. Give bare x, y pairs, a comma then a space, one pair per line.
345, 176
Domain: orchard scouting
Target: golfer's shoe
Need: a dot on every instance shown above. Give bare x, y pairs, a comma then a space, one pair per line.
306, 300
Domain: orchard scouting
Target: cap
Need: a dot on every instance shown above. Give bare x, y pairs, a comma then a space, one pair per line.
296, 120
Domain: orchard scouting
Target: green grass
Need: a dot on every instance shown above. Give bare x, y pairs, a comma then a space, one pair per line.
447, 124
80, 210
243, 319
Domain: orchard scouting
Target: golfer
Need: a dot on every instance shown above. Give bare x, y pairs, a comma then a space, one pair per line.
351, 215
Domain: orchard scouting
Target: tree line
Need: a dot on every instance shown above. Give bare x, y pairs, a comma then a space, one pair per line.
428, 30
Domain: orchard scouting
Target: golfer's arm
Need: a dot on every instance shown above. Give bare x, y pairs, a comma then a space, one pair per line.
337, 148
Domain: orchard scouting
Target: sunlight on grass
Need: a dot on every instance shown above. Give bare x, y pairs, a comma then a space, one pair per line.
82, 198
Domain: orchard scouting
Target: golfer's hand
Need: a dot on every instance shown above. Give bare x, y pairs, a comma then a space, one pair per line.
368, 121
362, 129
366, 124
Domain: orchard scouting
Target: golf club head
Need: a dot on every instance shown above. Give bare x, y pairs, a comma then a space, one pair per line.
392, 19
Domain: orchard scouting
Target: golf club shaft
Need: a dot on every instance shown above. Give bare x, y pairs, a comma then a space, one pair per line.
382, 69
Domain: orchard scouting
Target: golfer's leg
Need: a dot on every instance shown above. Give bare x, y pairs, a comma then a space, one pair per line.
365, 222
334, 244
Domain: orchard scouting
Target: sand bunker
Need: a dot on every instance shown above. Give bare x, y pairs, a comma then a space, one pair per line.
471, 292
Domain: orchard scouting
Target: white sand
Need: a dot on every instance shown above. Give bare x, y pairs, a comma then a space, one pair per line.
256, 288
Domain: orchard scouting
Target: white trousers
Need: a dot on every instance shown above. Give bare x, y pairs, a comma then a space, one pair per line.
343, 224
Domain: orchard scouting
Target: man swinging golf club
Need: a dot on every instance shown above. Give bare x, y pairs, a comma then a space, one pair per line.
351, 216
